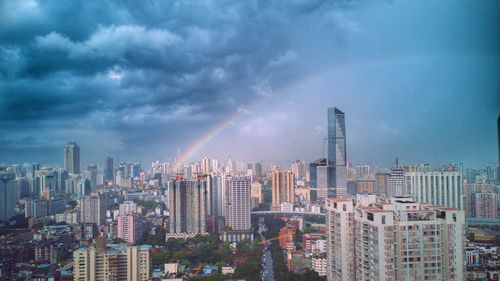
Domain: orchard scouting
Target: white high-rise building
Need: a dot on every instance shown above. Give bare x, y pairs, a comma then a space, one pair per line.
340, 239
394, 240
215, 164
127, 208
396, 182
93, 209
230, 166
438, 188
238, 203
205, 166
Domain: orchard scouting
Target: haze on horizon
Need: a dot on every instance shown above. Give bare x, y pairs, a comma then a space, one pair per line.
417, 80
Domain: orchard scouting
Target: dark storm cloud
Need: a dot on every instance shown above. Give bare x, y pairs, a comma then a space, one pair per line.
129, 68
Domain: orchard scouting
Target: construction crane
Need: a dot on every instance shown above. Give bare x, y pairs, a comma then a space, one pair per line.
289, 234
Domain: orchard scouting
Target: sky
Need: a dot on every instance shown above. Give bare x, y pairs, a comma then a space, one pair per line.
417, 80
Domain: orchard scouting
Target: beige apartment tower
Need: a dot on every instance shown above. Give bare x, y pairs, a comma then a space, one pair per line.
283, 188
112, 263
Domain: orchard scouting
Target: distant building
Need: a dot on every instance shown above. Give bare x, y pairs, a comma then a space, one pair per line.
396, 182
258, 171
127, 208
93, 209
72, 158
256, 194
381, 183
205, 165
108, 169
485, 205
318, 179
362, 171
8, 191
283, 188
438, 188
299, 169
130, 227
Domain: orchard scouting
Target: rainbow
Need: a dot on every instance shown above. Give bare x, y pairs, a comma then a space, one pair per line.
206, 138
232, 119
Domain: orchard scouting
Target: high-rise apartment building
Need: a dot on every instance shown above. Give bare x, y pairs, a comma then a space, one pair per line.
256, 194
93, 209
187, 205
396, 240
299, 169
340, 239
362, 171
130, 227
283, 188
484, 205
238, 203
108, 169
396, 182
127, 208
72, 158
113, 262
439, 188
230, 166
205, 165
337, 154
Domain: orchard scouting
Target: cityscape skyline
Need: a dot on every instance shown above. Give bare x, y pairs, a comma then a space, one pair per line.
130, 102
254, 140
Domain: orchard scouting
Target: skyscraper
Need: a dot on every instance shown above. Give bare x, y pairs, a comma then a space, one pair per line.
205, 165
396, 182
108, 169
283, 188
7, 194
93, 209
337, 156
187, 206
238, 203
130, 227
72, 158
258, 171
317, 176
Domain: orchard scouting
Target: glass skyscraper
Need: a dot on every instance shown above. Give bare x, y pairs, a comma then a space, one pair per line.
337, 160
72, 158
